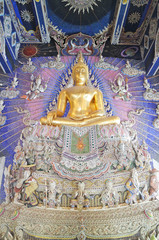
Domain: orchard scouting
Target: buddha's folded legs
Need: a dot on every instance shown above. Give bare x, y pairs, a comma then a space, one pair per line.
101, 121
82, 123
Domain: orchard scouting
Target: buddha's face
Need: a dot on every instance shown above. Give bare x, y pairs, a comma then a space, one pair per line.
80, 76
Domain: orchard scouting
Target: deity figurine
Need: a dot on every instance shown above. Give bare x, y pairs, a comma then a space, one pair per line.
145, 194
120, 86
143, 157
52, 194
132, 185
25, 187
14, 82
154, 184
109, 196
28, 67
80, 197
19, 186
86, 103
35, 89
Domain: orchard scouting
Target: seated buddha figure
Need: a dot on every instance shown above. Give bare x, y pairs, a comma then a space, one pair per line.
86, 103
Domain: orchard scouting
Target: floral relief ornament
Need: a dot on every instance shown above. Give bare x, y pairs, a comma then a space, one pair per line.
23, 2
139, 3
14, 20
7, 26
2, 40
17, 46
157, 45
153, 28
1, 7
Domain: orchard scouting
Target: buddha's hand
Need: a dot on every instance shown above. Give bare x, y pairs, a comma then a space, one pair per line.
98, 113
51, 116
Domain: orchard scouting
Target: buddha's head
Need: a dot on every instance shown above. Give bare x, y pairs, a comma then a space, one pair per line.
80, 72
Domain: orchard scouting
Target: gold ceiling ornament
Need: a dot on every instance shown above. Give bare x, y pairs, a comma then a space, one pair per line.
23, 2
81, 5
139, 3
134, 17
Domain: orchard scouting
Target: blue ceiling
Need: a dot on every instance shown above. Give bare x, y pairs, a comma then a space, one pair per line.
90, 23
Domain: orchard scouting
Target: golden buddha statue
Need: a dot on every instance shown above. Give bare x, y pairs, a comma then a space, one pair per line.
86, 103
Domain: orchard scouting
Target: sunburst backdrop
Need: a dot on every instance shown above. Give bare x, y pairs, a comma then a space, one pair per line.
16, 94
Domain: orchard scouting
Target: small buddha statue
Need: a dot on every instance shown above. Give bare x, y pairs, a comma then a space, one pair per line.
86, 103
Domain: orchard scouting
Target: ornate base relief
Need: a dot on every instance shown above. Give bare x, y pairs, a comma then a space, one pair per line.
77, 203
117, 223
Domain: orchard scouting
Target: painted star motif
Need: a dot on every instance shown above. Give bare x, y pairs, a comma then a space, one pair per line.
81, 5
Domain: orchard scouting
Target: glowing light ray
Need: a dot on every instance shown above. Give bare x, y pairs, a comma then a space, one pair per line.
113, 61
13, 99
137, 87
22, 79
138, 63
131, 82
148, 133
144, 101
9, 145
136, 91
140, 106
150, 141
8, 119
150, 114
7, 76
6, 125
119, 63
141, 139
11, 130
147, 125
11, 136
151, 77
